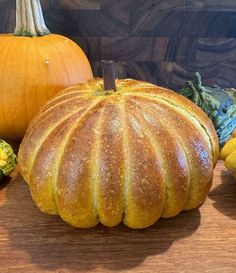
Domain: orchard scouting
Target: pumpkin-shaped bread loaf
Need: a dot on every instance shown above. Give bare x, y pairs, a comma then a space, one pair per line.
134, 155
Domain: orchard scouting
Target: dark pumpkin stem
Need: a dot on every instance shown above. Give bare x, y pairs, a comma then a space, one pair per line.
109, 75
29, 19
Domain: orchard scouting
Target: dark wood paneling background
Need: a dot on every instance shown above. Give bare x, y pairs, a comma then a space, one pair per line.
155, 40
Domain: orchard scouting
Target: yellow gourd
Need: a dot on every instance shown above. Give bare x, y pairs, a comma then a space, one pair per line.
228, 153
229, 147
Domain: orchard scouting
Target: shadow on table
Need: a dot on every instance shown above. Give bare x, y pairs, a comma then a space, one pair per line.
4, 182
53, 245
224, 195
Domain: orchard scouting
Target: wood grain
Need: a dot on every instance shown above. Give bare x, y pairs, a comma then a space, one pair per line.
164, 42
77, 5
201, 240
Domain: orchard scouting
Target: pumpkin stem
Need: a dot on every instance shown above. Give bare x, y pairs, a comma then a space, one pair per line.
29, 19
109, 75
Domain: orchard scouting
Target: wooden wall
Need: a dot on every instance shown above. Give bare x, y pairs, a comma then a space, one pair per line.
162, 41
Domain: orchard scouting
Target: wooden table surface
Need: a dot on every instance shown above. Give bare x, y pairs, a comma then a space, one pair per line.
201, 240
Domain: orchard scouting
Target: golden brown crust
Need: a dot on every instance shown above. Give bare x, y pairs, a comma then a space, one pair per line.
42, 183
144, 181
191, 108
135, 155
110, 167
196, 147
74, 181
169, 152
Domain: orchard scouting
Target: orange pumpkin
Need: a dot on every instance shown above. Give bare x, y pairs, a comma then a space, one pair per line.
34, 66
134, 155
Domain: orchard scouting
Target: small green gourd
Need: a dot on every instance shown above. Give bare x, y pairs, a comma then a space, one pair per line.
8, 159
219, 104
